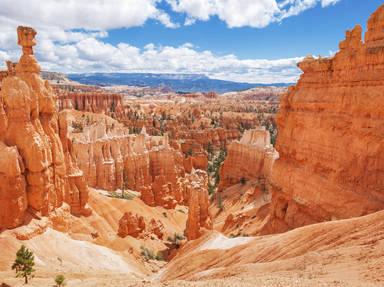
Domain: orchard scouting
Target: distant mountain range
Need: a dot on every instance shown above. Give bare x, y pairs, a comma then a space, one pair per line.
177, 82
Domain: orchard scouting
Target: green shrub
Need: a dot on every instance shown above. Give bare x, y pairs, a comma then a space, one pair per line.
150, 255
60, 280
122, 195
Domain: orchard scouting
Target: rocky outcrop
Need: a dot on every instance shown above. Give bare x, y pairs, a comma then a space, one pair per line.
331, 136
198, 160
134, 225
34, 174
112, 158
199, 217
131, 225
95, 102
218, 137
250, 158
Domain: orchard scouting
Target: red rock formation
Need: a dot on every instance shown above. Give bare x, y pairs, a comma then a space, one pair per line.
34, 174
134, 225
250, 158
218, 137
197, 161
331, 136
95, 102
131, 225
157, 228
199, 217
106, 155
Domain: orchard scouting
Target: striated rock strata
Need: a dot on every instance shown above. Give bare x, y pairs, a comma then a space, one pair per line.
199, 217
111, 159
250, 158
331, 135
34, 176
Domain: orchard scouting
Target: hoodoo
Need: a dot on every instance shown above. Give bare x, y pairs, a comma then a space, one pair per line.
35, 178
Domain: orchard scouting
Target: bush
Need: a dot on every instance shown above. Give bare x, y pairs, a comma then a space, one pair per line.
122, 195
150, 255
176, 239
60, 280
77, 127
211, 189
220, 204
24, 262
243, 181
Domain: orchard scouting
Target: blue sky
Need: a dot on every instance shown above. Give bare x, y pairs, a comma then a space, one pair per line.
316, 31
240, 40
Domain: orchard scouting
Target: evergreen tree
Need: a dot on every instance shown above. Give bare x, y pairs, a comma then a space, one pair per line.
60, 280
24, 262
125, 183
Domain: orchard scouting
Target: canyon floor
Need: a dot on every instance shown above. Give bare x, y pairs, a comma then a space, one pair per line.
339, 253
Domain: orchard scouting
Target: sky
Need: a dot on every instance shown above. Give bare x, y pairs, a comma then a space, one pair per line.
255, 41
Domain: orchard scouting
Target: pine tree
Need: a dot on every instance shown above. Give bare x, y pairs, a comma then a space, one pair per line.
124, 183
24, 262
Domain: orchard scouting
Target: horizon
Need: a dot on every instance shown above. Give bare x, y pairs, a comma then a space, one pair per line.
170, 36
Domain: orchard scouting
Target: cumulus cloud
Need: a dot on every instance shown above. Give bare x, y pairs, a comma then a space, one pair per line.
73, 36
240, 13
83, 14
94, 55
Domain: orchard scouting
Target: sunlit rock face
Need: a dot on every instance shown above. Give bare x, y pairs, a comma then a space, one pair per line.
331, 135
111, 159
34, 174
199, 218
250, 158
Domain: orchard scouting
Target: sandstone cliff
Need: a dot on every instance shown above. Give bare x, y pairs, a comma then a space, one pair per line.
331, 135
111, 159
250, 158
34, 175
92, 101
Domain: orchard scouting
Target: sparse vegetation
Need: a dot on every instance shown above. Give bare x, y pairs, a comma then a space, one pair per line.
24, 263
77, 127
189, 152
176, 239
121, 195
211, 189
60, 280
124, 184
150, 254
220, 204
214, 170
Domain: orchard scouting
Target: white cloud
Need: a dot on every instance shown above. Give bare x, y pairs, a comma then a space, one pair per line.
82, 14
240, 13
72, 36
93, 55
325, 3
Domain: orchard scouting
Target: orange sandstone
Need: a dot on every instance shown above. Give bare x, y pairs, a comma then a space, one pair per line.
331, 136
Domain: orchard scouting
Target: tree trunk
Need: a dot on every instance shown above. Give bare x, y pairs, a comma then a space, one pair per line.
26, 279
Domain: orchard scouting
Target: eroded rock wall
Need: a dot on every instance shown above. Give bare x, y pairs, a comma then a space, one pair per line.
111, 158
250, 158
34, 174
331, 135
199, 217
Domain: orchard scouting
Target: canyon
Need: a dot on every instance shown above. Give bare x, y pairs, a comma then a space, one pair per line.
263, 187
